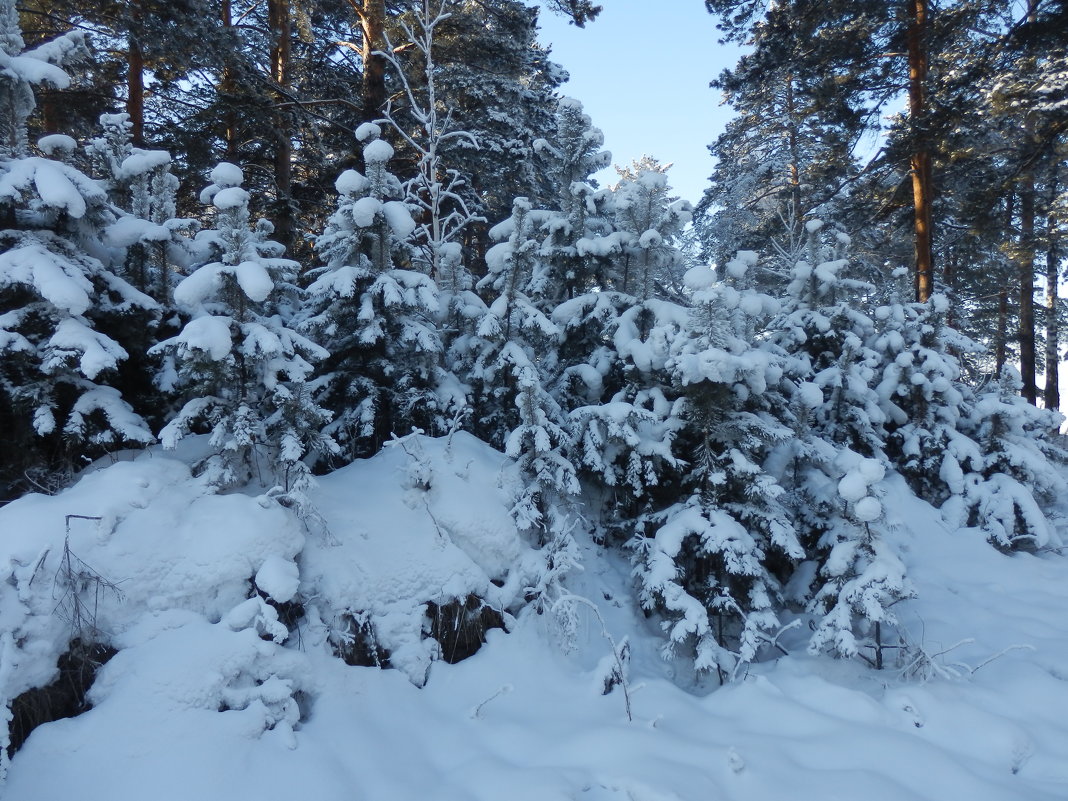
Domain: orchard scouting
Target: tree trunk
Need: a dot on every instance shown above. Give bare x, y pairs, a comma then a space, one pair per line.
1052, 395
279, 20
135, 89
1025, 257
372, 15
228, 89
921, 157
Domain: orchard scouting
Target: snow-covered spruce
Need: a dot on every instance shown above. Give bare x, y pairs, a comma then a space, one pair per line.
238, 362
385, 374
711, 562
65, 313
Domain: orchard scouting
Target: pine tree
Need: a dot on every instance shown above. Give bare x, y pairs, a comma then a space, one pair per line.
1003, 468
787, 155
862, 577
619, 340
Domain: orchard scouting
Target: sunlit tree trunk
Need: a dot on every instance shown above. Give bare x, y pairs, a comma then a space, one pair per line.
280, 22
921, 157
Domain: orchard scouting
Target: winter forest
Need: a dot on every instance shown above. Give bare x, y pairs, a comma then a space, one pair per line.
356, 442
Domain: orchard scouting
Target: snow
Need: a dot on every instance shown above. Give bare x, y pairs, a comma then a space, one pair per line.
868, 509
56, 189
56, 280
209, 334
130, 230
141, 161
377, 152
810, 394
368, 130
95, 352
399, 218
253, 278
57, 145
232, 197
364, 211
279, 578
203, 701
30, 68
226, 174
350, 182
700, 277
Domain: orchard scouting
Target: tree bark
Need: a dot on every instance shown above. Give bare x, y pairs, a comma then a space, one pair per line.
921, 158
135, 77
1052, 394
280, 23
372, 14
1025, 256
228, 88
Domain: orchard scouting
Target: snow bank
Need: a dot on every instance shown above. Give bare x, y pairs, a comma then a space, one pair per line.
203, 702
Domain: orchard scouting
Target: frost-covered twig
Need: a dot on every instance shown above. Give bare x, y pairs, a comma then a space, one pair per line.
1001, 653
73, 578
476, 713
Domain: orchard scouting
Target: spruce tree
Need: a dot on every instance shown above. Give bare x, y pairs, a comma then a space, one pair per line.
63, 307
378, 319
238, 363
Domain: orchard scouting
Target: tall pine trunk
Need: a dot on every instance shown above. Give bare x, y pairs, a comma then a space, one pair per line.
279, 20
1025, 259
228, 88
135, 77
372, 14
921, 157
1052, 395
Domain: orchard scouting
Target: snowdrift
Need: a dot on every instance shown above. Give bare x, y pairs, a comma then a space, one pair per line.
228, 614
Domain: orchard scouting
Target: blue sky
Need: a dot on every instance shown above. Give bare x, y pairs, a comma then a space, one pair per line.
642, 71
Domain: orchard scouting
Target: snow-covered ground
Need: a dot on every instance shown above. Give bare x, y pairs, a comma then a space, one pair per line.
202, 702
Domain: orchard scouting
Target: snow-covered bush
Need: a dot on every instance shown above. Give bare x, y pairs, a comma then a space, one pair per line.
862, 578
1004, 468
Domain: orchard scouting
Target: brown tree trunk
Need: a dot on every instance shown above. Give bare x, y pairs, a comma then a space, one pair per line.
135, 91
1025, 256
280, 22
372, 15
1052, 394
921, 157
228, 88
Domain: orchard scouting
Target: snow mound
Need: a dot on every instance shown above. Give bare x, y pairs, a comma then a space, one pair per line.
226, 174
970, 704
424, 521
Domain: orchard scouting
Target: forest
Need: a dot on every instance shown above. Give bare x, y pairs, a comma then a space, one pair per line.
319, 340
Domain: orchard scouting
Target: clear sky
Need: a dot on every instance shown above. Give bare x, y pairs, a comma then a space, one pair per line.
642, 70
